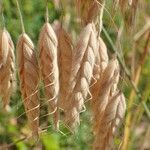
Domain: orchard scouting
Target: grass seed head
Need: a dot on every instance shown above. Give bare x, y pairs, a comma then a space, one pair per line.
81, 74
29, 78
7, 68
49, 67
65, 50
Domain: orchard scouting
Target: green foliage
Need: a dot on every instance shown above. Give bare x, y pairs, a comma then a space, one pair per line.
50, 141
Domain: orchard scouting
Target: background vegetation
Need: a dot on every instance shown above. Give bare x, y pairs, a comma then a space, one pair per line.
122, 33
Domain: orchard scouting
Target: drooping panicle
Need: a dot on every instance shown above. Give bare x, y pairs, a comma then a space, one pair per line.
7, 67
81, 75
29, 78
49, 68
65, 52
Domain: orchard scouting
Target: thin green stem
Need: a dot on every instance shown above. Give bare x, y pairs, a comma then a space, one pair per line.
21, 18
62, 12
47, 12
2, 14
3, 18
100, 22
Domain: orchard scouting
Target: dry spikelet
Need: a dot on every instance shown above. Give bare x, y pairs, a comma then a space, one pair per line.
28, 74
112, 117
81, 75
114, 87
121, 109
103, 54
88, 10
108, 109
107, 79
101, 59
7, 67
49, 68
4, 49
101, 63
65, 49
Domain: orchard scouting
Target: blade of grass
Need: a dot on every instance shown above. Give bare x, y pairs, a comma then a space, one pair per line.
127, 130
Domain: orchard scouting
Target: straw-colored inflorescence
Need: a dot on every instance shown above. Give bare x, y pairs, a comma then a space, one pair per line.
28, 75
7, 67
100, 65
109, 108
65, 49
49, 68
112, 117
101, 57
105, 85
103, 54
81, 75
4, 50
88, 10
101, 62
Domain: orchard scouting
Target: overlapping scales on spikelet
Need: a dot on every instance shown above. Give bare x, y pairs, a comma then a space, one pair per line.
65, 50
81, 75
112, 118
88, 10
109, 108
28, 75
105, 85
7, 67
49, 68
4, 49
101, 63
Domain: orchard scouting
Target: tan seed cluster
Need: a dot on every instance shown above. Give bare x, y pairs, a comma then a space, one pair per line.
29, 78
71, 75
88, 10
65, 52
7, 67
48, 61
109, 108
81, 75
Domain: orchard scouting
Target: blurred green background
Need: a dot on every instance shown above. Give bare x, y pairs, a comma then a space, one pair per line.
13, 128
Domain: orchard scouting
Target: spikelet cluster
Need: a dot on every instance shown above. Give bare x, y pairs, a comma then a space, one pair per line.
109, 108
108, 104
81, 75
7, 67
65, 52
29, 78
101, 62
71, 75
88, 10
49, 68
